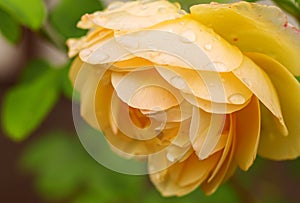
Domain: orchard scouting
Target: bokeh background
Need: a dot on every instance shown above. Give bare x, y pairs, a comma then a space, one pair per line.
41, 158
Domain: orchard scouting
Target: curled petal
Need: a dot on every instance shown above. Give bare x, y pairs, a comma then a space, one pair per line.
207, 85
182, 178
205, 132
213, 107
115, 136
261, 85
140, 91
210, 185
247, 133
273, 144
254, 28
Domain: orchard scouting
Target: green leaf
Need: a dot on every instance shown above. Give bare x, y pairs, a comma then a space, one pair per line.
26, 105
9, 27
67, 13
30, 13
298, 78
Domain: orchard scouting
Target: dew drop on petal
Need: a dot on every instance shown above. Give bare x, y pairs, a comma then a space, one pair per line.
161, 9
85, 52
237, 99
170, 157
189, 36
181, 12
220, 67
208, 47
159, 178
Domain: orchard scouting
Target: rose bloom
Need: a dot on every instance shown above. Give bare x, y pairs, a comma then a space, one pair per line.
196, 122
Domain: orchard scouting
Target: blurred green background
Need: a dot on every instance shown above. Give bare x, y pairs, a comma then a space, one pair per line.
41, 157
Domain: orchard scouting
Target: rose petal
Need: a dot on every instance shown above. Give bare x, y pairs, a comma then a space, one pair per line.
225, 152
93, 37
272, 144
133, 147
211, 185
254, 28
140, 91
132, 15
207, 85
212, 107
205, 132
180, 43
247, 133
182, 178
261, 85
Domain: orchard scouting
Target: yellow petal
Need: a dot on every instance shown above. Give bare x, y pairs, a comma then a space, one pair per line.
261, 85
185, 43
213, 107
93, 37
87, 90
145, 90
131, 64
103, 108
132, 15
247, 134
225, 151
184, 177
254, 28
75, 67
205, 132
207, 85
272, 144
211, 185
175, 114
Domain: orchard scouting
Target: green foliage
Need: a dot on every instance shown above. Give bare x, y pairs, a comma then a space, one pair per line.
30, 13
9, 27
26, 105
67, 13
298, 78
65, 170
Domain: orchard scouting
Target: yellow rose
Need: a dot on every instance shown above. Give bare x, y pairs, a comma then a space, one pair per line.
198, 94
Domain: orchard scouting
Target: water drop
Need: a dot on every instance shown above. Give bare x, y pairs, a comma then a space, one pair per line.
189, 36
237, 99
208, 47
220, 67
160, 178
181, 12
178, 82
161, 9
170, 157
85, 53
